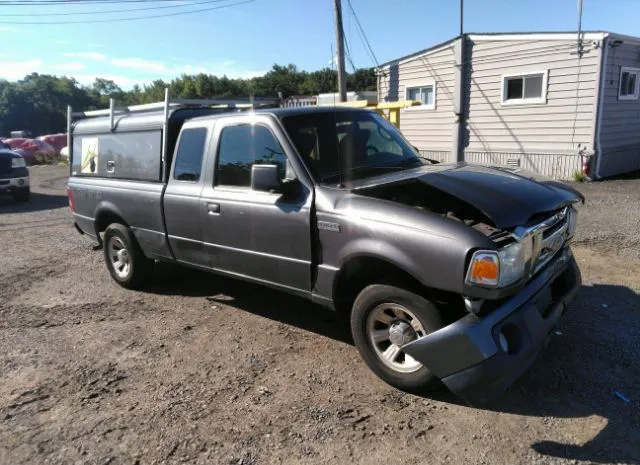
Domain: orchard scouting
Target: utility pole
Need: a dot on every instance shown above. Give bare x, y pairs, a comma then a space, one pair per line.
461, 17
342, 79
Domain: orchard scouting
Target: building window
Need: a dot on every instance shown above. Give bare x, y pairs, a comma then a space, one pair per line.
522, 89
243, 146
425, 93
628, 89
188, 164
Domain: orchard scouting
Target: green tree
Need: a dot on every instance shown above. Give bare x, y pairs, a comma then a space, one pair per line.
38, 102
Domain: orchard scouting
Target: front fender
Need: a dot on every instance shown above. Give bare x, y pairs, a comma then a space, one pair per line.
374, 248
437, 262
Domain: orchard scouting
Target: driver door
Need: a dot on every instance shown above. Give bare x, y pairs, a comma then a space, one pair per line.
263, 236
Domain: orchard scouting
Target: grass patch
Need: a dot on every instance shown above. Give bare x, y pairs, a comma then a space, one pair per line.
579, 176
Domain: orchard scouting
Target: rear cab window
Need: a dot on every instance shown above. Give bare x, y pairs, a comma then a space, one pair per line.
188, 164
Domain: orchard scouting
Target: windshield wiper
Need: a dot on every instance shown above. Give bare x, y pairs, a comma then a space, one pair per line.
402, 166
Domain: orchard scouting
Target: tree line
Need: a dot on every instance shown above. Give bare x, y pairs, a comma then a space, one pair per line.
38, 103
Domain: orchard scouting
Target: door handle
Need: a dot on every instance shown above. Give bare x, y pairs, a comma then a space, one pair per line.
213, 208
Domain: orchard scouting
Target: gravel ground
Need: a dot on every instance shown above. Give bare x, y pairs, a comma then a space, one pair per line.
200, 369
610, 220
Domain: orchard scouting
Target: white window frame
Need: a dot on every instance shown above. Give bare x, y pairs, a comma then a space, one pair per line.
423, 106
542, 100
636, 71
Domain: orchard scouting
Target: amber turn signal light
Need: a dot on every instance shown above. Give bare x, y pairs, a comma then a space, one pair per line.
484, 269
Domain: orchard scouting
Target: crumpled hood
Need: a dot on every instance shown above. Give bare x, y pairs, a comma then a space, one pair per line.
507, 197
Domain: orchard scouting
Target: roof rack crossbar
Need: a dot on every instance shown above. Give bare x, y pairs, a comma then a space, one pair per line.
178, 103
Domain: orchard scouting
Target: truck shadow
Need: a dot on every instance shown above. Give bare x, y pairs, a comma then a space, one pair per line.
593, 353
38, 202
252, 298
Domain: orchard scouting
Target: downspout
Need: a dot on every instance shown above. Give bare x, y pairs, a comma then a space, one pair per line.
600, 104
69, 148
459, 70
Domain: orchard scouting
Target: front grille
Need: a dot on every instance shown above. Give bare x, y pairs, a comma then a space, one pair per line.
545, 238
549, 238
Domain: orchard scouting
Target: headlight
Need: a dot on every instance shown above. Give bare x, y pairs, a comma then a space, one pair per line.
572, 222
18, 162
499, 268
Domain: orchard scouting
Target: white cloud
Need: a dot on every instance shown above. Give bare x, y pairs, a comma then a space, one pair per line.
87, 55
156, 69
13, 70
11, 29
139, 64
123, 81
69, 67
125, 72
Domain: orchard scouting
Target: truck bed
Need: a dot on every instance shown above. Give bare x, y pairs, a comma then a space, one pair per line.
93, 197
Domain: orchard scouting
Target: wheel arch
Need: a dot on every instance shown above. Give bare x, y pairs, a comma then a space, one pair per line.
106, 214
363, 269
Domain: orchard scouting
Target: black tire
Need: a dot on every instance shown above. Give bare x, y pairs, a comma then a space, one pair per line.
22, 195
140, 268
428, 315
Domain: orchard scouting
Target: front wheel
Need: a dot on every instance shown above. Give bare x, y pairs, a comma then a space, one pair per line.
385, 318
126, 262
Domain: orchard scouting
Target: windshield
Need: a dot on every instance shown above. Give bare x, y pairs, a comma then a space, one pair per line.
344, 146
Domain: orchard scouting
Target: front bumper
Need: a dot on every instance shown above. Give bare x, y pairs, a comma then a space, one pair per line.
466, 355
10, 185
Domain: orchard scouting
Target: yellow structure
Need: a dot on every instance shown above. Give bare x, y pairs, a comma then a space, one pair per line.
390, 110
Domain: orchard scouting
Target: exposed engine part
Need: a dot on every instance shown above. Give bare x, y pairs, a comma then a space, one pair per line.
473, 305
424, 197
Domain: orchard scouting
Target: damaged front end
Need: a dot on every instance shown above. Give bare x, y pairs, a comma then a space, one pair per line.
515, 292
478, 358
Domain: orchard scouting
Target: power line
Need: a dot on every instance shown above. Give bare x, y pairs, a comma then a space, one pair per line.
348, 55
116, 11
76, 2
363, 35
348, 43
135, 18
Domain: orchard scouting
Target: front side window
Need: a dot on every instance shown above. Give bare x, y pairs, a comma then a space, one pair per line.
525, 88
629, 83
243, 146
424, 94
188, 166
348, 145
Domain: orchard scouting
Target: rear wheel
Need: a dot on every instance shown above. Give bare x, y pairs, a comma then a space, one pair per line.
22, 195
385, 318
126, 262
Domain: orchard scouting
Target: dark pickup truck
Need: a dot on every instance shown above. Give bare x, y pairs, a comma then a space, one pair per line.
449, 272
14, 174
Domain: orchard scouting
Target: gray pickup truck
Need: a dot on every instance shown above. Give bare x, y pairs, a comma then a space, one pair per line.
448, 272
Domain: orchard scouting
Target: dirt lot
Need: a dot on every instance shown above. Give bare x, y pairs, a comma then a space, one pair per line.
201, 369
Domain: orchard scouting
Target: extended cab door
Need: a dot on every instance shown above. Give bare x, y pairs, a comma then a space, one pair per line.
265, 236
182, 196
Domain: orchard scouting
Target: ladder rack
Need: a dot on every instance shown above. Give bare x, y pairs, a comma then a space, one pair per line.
166, 105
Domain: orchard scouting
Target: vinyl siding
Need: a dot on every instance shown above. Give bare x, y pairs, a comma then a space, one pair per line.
429, 130
620, 123
564, 124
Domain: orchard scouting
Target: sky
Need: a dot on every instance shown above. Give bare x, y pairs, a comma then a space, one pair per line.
246, 39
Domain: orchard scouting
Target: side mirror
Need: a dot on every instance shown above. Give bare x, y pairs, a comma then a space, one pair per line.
265, 178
